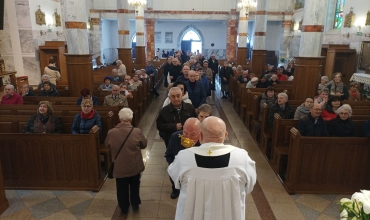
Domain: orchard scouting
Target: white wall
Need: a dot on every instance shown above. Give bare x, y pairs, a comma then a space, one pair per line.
109, 40
274, 34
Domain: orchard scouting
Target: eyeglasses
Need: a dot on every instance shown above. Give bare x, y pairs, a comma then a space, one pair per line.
86, 106
343, 113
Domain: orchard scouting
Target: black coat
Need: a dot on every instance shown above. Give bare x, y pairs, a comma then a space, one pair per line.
175, 71
287, 113
227, 73
30, 125
50, 93
307, 127
168, 117
339, 128
213, 65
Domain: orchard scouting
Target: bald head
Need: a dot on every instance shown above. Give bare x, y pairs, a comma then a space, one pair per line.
191, 129
213, 129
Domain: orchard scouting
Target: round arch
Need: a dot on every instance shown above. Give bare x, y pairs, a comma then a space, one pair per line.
185, 30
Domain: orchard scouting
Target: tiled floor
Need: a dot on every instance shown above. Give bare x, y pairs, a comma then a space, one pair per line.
269, 199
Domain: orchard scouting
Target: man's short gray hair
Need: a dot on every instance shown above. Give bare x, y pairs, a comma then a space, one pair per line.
119, 62
47, 76
138, 72
345, 107
205, 108
125, 114
174, 89
11, 86
284, 95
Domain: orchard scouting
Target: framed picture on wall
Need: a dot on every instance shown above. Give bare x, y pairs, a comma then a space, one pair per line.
157, 37
168, 37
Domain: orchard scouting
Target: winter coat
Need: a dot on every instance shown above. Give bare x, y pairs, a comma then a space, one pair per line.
83, 126
307, 127
301, 112
341, 128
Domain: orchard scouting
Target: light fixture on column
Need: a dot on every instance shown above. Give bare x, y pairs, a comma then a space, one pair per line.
247, 5
137, 4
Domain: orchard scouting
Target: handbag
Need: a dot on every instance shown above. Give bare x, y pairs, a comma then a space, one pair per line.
111, 167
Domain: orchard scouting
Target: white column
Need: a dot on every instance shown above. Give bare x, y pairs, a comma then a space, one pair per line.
261, 25
123, 24
285, 43
140, 26
243, 28
75, 23
314, 18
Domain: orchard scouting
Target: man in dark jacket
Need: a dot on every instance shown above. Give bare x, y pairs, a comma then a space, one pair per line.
175, 70
197, 93
172, 117
213, 64
313, 124
225, 73
282, 107
180, 140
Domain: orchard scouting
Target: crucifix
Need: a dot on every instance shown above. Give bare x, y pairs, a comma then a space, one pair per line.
209, 152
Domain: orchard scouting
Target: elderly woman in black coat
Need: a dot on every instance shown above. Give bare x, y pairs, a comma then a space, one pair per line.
44, 121
342, 125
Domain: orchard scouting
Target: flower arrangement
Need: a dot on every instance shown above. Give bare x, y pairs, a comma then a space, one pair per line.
356, 208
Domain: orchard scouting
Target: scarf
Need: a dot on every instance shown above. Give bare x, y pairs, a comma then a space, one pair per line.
42, 124
334, 88
303, 109
53, 68
88, 115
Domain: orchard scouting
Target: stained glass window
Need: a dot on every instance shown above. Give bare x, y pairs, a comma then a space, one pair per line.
338, 18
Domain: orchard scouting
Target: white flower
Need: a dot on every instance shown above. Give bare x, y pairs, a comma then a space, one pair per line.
344, 214
366, 207
366, 194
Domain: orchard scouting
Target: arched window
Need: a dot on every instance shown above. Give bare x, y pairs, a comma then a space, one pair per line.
191, 41
338, 16
133, 46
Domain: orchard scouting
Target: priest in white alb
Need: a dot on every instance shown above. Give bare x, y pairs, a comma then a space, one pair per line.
214, 179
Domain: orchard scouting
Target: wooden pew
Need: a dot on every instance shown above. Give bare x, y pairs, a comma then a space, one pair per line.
327, 165
51, 161
265, 137
4, 204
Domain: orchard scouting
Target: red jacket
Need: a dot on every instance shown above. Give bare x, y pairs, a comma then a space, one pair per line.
327, 116
281, 77
14, 99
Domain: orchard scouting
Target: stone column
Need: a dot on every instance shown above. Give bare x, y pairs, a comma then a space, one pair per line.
140, 45
75, 14
285, 43
149, 37
309, 63
243, 34
124, 50
232, 26
259, 45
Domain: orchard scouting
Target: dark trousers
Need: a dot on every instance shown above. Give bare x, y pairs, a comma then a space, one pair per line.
173, 186
128, 190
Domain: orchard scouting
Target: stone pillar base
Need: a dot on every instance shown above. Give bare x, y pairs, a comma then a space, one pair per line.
258, 62
140, 55
125, 55
80, 73
306, 76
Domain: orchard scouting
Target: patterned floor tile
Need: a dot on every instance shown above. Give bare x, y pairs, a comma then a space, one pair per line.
74, 198
36, 197
65, 215
15, 204
47, 208
313, 201
79, 210
333, 209
308, 213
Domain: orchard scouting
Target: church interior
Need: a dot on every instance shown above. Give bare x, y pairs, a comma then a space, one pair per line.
63, 176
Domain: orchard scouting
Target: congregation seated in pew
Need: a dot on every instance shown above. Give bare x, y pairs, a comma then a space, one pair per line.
337, 88
243, 78
45, 78
354, 94
107, 85
274, 80
115, 99
269, 97
322, 98
304, 109
86, 94
252, 83
262, 82
86, 119
135, 79
25, 91
313, 124
48, 90
44, 121
342, 125
282, 107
